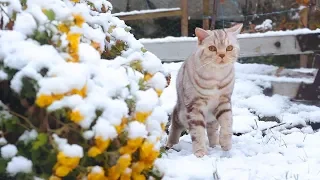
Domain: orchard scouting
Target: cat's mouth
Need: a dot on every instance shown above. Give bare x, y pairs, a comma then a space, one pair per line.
223, 62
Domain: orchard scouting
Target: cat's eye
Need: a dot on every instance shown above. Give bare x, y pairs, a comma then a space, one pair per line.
230, 48
212, 48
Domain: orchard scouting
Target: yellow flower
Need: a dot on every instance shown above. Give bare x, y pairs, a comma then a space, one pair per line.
142, 116
78, 19
102, 144
163, 126
147, 76
96, 46
74, 40
63, 28
64, 160
75, 1
57, 96
54, 178
147, 154
74, 57
123, 124
138, 177
113, 174
75, 116
82, 92
97, 176
94, 151
62, 171
138, 167
131, 146
44, 100
123, 163
126, 175
159, 92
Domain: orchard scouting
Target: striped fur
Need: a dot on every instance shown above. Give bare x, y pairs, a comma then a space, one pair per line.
204, 85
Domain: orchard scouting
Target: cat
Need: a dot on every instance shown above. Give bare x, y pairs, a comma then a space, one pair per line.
204, 87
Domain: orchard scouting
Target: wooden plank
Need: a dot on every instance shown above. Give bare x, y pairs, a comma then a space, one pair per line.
304, 19
179, 50
214, 14
206, 14
149, 14
184, 17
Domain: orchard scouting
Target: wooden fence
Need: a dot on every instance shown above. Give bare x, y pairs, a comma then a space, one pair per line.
181, 11
294, 42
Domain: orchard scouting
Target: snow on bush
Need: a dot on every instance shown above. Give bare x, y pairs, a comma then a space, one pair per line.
79, 94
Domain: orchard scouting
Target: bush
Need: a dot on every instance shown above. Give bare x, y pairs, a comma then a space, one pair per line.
79, 94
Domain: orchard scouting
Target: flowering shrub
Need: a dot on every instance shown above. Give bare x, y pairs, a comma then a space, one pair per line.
79, 94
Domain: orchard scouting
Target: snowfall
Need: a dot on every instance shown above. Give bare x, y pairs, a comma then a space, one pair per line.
261, 150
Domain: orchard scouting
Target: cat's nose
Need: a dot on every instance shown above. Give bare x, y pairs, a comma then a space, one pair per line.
222, 55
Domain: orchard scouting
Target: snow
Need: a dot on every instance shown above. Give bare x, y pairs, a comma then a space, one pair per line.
145, 11
266, 25
240, 36
28, 136
88, 134
96, 169
73, 150
25, 23
136, 130
93, 84
104, 129
3, 141
19, 164
3, 75
261, 149
8, 151
70, 150
146, 100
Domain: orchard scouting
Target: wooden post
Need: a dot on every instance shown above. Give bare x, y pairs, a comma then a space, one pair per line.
214, 14
184, 17
206, 14
304, 21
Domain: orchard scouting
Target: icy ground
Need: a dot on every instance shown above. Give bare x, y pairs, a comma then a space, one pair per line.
265, 150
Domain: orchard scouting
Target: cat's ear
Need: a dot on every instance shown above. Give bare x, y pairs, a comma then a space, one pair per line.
236, 29
201, 34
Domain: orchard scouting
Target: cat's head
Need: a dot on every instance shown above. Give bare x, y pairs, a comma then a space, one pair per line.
220, 45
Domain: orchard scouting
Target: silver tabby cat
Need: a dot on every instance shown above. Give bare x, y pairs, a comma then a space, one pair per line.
204, 85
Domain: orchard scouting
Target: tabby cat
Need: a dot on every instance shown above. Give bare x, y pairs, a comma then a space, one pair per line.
204, 87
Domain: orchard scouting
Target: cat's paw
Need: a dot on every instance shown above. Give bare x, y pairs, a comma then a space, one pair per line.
200, 153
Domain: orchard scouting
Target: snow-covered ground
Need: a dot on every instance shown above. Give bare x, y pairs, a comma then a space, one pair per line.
281, 152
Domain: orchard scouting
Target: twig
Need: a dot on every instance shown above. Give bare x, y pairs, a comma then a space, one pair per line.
22, 117
277, 125
2, 10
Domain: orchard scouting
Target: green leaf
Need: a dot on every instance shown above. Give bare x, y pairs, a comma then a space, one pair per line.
35, 155
42, 139
3, 165
111, 28
144, 50
50, 14
42, 37
29, 88
11, 124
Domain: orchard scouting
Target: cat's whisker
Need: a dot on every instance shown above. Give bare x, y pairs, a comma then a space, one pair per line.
205, 64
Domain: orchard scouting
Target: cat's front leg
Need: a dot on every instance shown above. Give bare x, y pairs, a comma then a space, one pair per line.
175, 129
213, 132
225, 120
196, 122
